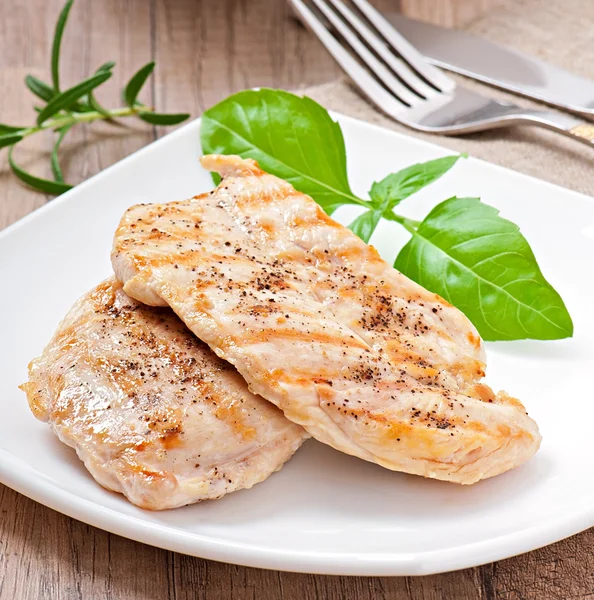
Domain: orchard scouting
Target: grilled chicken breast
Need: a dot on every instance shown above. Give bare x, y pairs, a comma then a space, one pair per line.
150, 410
316, 322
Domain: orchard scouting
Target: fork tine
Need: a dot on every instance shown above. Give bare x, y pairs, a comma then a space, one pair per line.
376, 66
396, 64
364, 81
408, 52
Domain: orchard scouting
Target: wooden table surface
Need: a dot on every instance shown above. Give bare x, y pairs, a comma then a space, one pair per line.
204, 51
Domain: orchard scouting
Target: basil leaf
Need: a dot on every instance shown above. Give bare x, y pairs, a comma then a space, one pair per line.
364, 225
394, 188
9, 139
331, 205
135, 84
57, 171
59, 31
291, 137
45, 185
484, 266
163, 119
39, 88
66, 98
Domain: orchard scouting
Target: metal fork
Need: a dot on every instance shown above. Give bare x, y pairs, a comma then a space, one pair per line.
402, 84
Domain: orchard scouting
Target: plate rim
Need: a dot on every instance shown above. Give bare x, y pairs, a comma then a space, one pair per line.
25, 480
313, 562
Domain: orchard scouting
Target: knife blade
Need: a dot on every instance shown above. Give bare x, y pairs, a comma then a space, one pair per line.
502, 67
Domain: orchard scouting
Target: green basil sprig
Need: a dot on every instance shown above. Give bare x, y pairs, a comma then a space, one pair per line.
463, 250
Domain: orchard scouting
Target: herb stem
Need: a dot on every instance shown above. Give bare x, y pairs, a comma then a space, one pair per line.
70, 119
409, 224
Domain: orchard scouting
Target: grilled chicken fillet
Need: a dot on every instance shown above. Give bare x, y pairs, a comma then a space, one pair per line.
316, 322
150, 410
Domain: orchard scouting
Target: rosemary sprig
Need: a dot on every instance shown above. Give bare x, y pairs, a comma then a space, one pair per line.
63, 109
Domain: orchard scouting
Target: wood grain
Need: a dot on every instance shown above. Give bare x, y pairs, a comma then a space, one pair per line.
204, 51
447, 13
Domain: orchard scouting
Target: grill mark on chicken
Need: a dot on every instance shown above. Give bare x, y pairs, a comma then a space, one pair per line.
152, 412
287, 295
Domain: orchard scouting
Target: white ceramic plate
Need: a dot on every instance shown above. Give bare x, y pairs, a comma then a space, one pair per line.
324, 512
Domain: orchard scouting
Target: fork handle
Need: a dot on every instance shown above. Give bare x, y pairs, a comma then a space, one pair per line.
568, 125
